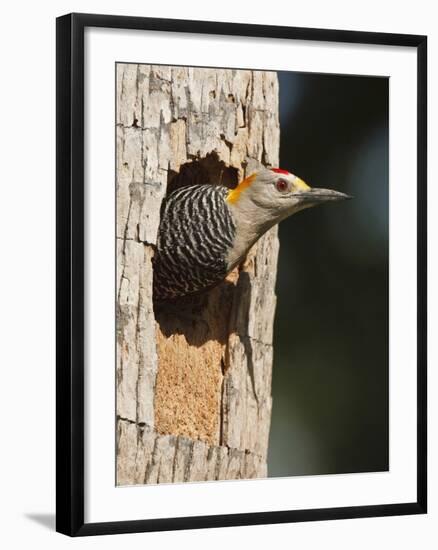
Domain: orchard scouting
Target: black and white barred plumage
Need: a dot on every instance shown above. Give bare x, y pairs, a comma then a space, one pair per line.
195, 234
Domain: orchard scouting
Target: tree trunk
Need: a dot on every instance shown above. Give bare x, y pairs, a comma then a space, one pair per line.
194, 376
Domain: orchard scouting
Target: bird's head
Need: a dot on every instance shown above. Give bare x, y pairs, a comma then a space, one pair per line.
271, 195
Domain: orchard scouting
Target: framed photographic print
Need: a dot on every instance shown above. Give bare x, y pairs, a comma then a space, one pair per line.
227, 353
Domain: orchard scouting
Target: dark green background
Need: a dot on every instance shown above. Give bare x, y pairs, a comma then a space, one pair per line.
330, 378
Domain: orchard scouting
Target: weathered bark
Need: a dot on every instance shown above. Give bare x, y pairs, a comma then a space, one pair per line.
193, 377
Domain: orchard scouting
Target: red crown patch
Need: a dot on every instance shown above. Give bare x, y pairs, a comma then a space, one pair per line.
280, 171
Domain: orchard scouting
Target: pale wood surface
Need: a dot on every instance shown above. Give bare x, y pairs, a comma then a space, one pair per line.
193, 377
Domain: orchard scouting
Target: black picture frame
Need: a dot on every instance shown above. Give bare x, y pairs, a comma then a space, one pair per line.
70, 273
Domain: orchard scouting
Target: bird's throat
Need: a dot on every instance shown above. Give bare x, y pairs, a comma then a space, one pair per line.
247, 233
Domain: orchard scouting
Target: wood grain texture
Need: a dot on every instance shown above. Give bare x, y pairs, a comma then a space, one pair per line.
194, 376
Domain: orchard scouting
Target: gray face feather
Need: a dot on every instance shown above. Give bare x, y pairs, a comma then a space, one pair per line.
268, 198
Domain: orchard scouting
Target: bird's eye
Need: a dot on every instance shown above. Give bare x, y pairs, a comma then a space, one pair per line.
281, 185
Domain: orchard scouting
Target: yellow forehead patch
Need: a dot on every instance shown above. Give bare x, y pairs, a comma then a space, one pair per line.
234, 194
302, 185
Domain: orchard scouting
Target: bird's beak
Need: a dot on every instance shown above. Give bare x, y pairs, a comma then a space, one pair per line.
316, 195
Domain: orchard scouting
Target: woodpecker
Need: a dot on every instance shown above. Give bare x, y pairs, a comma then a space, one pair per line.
207, 230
